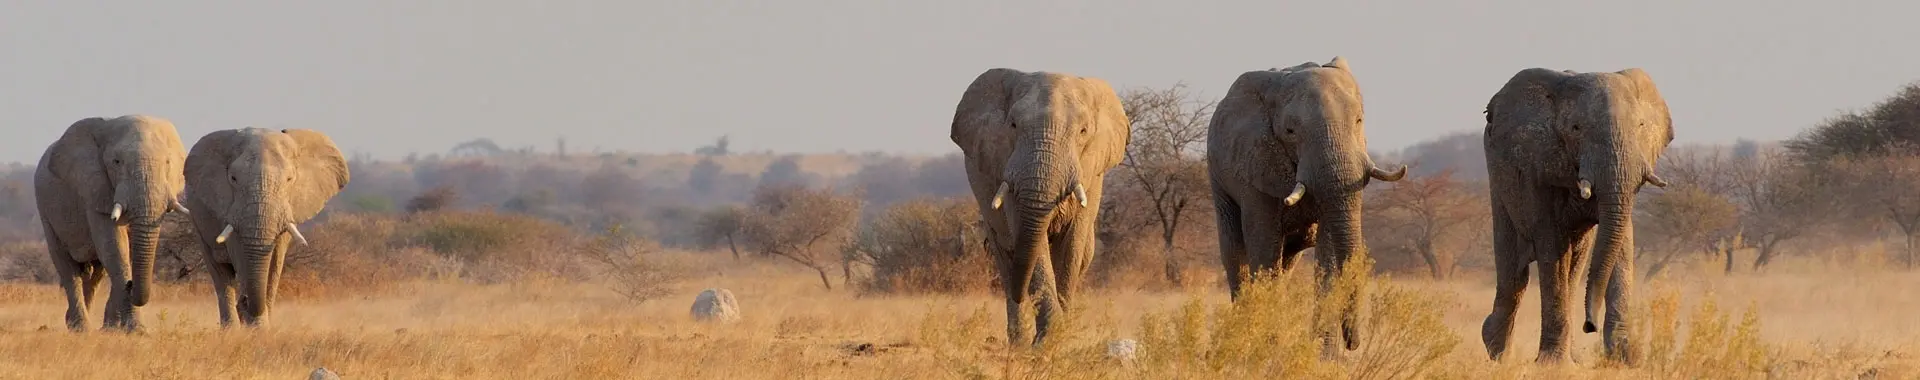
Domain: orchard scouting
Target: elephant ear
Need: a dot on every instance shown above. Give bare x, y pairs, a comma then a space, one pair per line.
1113, 127
983, 127
1523, 110
206, 170
1649, 97
1245, 113
76, 160
322, 170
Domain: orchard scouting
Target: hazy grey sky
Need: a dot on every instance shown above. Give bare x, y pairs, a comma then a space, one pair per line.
389, 77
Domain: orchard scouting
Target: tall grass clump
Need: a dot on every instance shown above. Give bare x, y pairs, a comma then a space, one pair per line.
924, 246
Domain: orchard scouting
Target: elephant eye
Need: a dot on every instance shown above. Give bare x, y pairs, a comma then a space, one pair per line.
1289, 131
116, 161
1576, 127
234, 178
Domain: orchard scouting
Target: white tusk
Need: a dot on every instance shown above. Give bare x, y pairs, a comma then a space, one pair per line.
223, 235
1586, 189
1000, 195
1299, 189
115, 214
181, 208
1080, 194
296, 233
1655, 180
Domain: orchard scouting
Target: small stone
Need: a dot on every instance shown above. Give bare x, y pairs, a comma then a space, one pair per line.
1122, 349
323, 374
716, 305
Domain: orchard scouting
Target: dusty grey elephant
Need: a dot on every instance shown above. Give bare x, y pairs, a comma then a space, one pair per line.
1287, 158
254, 186
1038, 146
102, 188
1566, 153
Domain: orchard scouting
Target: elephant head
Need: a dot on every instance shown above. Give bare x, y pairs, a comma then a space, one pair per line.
259, 185
1037, 146
1299, 133
1610, 129
126, 170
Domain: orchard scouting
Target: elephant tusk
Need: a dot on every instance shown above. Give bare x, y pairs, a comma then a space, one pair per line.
1655, 180
1000, 195
1384, 175
296, 233
115, 214
223, 235
181, 208
1080, 194
1299, 189
1586, 189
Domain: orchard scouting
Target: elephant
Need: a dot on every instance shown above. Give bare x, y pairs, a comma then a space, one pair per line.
1037, 147
1566, 154
254, 186
1287, 162
101, 189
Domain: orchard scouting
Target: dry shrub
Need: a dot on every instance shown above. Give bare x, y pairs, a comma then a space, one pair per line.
925, 246
626, 263
349, 253
26, 261
1270, 331
497, 247
1405, 334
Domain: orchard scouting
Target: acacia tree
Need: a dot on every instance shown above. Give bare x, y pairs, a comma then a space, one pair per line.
722, 224
1679, 220
802, 224
1779, 201
1165, 159
1883, 187
1434, 216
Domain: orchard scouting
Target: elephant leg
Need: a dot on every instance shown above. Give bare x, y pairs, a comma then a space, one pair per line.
1262, 229
1070, 258
91, 273
223, 290
1618, 338
1556, 288
71, 280
1294, 244
1510, 260
1047, 299
110, 247
1233, 245
279, 264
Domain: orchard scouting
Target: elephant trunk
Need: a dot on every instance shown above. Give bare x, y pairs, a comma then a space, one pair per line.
254, 241
142, 205
143, 236
1612, 184
1340, 180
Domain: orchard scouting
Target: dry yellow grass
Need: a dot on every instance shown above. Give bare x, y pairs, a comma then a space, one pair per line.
1814, 324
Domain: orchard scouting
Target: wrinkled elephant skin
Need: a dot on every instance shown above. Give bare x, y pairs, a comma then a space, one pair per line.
1038, 146
255, 186
101, 190
1566, 154
1287, 157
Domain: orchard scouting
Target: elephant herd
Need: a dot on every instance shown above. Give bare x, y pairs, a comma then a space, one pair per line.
1287, 160
1286, 157
103, 186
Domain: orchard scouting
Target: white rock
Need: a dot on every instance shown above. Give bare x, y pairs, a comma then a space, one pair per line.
716, 305
1122, 349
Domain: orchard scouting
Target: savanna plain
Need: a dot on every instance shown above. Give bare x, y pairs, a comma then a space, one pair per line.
1788, 259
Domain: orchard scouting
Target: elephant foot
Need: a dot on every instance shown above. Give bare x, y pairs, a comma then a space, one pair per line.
77, 321
1552, 358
